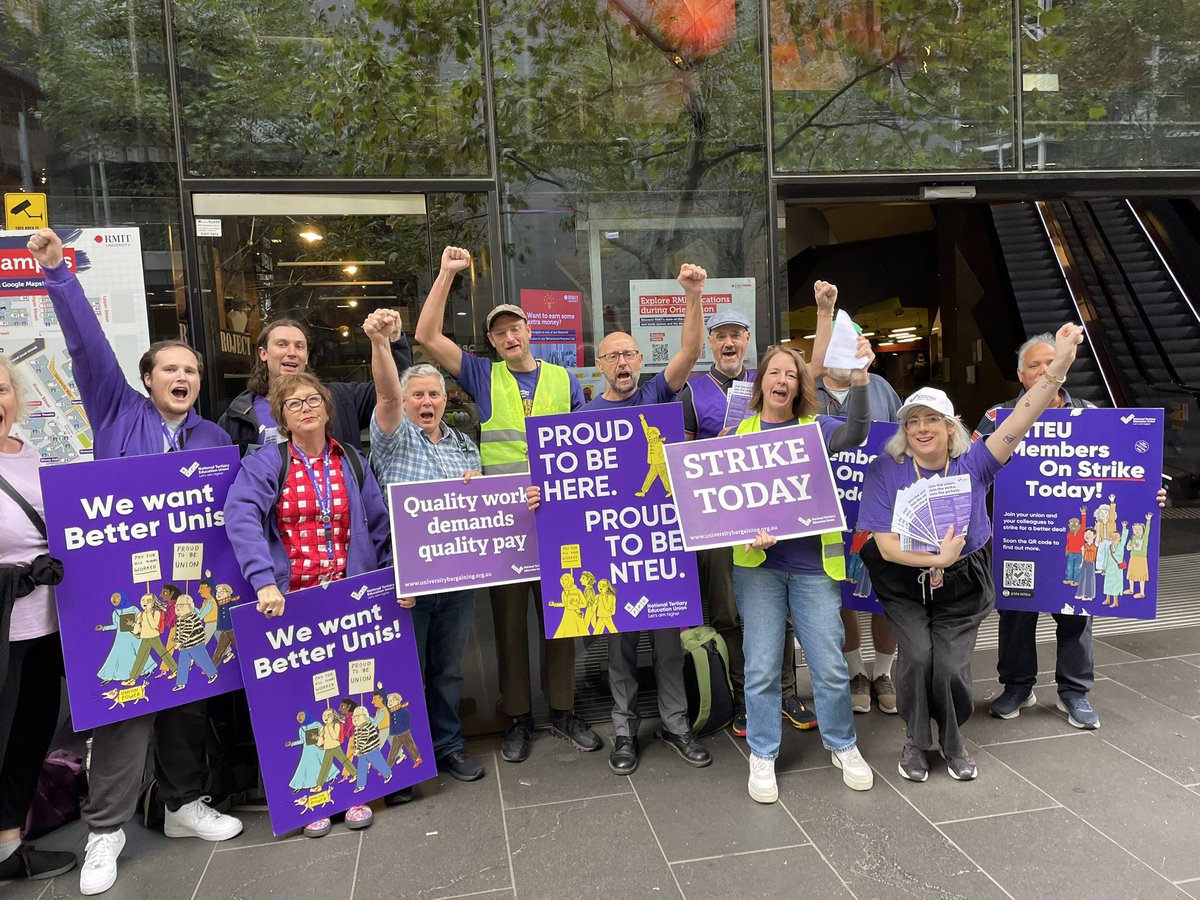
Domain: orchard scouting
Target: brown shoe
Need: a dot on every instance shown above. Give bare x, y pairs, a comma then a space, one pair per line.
860, 694
884, 693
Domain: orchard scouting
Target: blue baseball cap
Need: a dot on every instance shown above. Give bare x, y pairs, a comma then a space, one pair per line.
727, 316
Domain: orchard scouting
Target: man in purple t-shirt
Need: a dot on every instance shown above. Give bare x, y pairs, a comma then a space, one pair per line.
620, 361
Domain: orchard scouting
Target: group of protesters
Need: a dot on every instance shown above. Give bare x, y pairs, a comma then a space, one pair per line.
307, 508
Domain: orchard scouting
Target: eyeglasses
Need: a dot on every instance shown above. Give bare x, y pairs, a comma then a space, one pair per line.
312, 401
626, 355
923, 421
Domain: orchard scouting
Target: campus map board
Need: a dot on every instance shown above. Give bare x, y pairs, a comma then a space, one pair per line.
108, 263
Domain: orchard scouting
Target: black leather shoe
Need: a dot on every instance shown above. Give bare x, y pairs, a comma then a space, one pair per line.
574, 730
515, 748
461, 765
689, 749
624, 757
400, 797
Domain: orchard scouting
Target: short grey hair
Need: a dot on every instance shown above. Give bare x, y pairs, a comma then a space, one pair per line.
20, 388
423, 370
1044, 338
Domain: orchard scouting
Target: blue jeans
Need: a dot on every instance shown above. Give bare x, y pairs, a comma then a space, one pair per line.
764, 597
199, 656
1074, 566
442, 623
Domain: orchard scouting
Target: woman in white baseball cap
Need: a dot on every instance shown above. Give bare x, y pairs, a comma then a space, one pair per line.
936, 600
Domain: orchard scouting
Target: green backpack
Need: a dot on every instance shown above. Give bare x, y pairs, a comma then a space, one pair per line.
706, 679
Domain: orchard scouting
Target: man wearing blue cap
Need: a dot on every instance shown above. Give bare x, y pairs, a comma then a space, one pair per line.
705, 400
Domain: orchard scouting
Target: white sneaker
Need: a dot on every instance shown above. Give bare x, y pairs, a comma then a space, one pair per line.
762, 785
99, 871
198, 819
855, 771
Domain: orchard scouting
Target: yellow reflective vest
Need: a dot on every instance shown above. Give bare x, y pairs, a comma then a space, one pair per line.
833, 554
502, 437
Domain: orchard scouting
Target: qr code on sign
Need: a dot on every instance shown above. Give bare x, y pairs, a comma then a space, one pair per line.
1018, 575
660, 353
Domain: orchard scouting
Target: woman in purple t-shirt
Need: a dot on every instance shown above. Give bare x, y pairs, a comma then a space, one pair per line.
936, 600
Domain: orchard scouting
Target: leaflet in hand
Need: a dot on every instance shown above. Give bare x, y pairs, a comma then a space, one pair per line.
925, 510
737, 403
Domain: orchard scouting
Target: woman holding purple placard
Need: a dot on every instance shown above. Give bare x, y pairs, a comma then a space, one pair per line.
308, 513
935, 601
800, 577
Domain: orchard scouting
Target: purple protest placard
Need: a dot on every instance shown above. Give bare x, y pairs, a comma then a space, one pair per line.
1076, 517
450, 536
727, 489
849, 471
335, 696
149, 579
612, 557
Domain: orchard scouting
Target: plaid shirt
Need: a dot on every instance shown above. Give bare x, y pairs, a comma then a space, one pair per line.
409, 455
300, 526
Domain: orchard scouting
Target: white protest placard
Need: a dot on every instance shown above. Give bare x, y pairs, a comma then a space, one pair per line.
189, 562
146, 567
325, 685
362, 676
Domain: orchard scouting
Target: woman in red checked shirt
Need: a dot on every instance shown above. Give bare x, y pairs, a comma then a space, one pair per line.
313, 524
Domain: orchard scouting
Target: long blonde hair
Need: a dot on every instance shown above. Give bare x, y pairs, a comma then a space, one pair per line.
897, 446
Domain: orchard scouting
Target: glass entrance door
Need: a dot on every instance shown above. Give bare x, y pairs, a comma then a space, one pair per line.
328, 261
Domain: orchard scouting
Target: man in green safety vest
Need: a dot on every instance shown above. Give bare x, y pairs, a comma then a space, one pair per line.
506, 392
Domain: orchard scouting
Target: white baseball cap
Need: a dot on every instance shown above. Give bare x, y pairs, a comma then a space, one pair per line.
930, 397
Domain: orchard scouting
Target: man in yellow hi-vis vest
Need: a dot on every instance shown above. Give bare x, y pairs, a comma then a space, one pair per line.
505, 392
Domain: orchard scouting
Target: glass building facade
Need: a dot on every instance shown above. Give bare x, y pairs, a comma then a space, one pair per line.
313, 158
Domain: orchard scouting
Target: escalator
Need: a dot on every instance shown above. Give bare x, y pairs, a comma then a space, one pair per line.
1041, 292
1143, 330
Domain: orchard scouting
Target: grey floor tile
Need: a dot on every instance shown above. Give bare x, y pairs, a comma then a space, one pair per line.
587, 848
288, 869
683, 818
556, 771
1172, 682
1124, 799
1039, 721
1159, 736
1191, 888
1155, 644
256, 829
878, 844
1046, 838
455, 829
140, 867
772, 873
1193, 660
997, 790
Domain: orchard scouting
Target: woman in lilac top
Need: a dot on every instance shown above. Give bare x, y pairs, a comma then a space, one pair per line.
31, 679
936, 600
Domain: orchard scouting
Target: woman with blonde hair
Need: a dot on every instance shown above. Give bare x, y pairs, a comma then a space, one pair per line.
31, 663
936, 600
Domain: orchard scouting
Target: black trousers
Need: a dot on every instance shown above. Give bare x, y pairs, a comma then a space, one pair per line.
29, 705
1017, 665
936, 632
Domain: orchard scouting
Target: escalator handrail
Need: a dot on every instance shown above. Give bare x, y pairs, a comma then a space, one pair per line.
1178, 385
1141, 223
1078, 294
